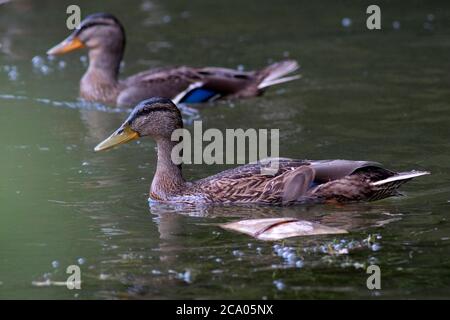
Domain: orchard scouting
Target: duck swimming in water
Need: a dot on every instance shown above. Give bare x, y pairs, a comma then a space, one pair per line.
104, 36
296, 181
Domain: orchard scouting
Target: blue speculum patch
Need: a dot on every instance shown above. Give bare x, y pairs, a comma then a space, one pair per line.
198, 95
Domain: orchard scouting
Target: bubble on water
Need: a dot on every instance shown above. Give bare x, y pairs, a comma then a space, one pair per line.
375, 247
167, 19
104, 276
237, 253
81, 261
299, 264
40, 65
279, 284
47, 276
156, 272
373, 260
37, 61
396, 25
185, 14
61, 65
185, 276
13, 74
44, 70
85, 163
84, 61
147, 5
346, 22
291, 258
55, 264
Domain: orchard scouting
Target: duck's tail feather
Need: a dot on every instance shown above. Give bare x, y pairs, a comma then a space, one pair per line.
388, 187
276, 72
401, 176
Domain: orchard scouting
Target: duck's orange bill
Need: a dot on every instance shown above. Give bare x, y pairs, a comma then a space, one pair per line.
122, 135
69, 44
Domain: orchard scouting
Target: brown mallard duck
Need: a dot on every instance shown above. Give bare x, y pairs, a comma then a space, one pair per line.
296, 181
104, 36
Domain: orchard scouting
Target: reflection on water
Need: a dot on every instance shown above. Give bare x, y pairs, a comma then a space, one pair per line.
379, 96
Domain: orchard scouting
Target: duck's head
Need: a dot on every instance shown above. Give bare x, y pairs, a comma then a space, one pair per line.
155, 117
97, 31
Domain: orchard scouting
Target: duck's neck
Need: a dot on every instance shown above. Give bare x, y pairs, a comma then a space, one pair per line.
168, 178
100, 82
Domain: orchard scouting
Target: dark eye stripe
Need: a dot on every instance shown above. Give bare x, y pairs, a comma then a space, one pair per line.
91, 24
152, 109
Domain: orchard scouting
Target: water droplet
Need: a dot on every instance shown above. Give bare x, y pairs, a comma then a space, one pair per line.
279, 284
299, 264
237, 253
61, 65
396, 25
346, 22
55, 264
37, 61
376, 247
291, 257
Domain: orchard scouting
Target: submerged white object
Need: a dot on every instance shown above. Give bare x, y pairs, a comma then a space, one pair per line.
280, 228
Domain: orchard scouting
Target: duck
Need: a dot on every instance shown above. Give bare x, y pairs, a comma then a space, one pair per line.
294, 181
104, 37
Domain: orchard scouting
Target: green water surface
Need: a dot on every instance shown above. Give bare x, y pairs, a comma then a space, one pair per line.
379, 95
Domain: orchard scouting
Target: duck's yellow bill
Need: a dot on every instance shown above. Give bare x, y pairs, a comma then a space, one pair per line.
69, 44
123, 135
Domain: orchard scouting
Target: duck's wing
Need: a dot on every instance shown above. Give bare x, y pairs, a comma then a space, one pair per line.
163, 82
196, 85
250, 183
229, 83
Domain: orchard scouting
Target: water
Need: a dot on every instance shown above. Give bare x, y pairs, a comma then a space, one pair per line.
376, 95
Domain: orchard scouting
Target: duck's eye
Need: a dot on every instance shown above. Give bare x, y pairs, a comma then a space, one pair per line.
120, 131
